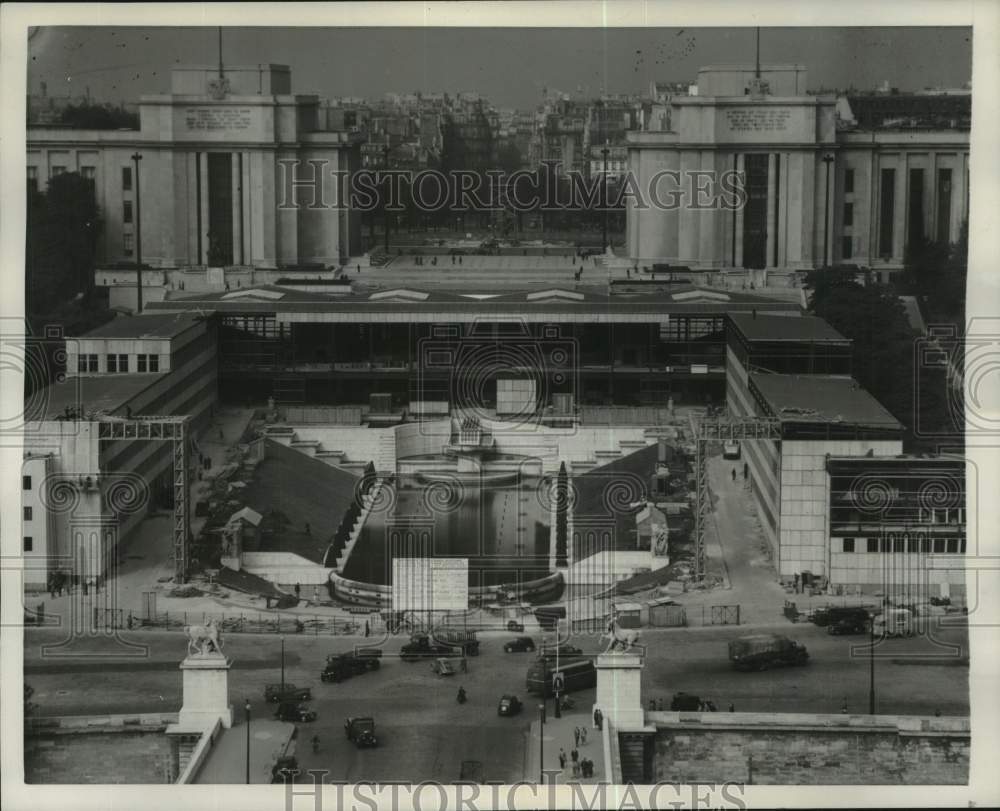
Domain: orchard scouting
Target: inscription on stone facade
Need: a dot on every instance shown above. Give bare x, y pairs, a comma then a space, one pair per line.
218, 118
758, 120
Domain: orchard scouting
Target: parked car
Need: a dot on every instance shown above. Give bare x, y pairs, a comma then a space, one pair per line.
847, 620
361, 731
509, 705
284, 769
421, 647
515, 627
294, 712
564, 650
761, 651
344, 665
731, 449
445, 667
520, 645
276, 693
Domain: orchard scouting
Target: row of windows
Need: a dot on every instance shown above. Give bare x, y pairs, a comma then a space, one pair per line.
88, 172
118, 364
904, 543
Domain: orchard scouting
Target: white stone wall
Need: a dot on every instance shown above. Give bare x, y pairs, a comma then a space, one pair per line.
805, 496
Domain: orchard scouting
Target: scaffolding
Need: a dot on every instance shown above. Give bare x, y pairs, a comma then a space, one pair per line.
720, 429
164, 429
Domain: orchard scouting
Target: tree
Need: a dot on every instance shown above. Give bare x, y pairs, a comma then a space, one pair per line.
98, 117
936, 272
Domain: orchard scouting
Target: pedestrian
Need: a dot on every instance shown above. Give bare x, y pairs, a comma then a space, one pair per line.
50, 581
746, 470
368, 629
711, 706
298, 592
734, 474
796, 582
60, 581
576, 737
465, 665
460, 260
574, 755
315, 743
308, 529
316, 595
732, 707
562, 760
599, 719
628, 273
937, 713
583, 735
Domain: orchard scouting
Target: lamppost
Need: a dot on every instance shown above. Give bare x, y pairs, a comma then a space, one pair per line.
385, 203
604, 201
827, 159
136, 157
871, 667
247, 709
282, 664
557, 676
541, 743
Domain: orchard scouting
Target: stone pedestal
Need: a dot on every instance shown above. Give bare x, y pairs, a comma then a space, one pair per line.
619, 689
206, 692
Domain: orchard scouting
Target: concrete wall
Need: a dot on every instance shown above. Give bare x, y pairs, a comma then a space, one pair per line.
285, 568
810, 749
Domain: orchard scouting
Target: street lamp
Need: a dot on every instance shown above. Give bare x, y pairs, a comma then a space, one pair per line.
604, 185
871, 667
282, 664
827, 159
541, 744
136, 157
247, 709
557, 677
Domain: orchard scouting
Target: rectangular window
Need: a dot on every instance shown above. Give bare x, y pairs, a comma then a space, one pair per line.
26, 482
91, 363
961, 546
123, 363
29, 543
848, 181
887, 210
27, 513
939, 546
127, 211
127, 244
126, 178
873, 544
89, 172
944, 205
913, 545
848, 544
846, 247
140, 363
952, 546
898, 544
81, 363
112, 363
848, 215
154, 363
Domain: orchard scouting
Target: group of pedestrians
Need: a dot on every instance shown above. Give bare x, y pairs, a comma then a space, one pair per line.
582, 767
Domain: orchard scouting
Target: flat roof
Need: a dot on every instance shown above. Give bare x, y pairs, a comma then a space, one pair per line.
567, 299
822, 399
100, 393
147, 325
765, 327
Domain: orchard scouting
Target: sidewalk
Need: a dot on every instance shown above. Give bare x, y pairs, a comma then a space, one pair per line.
558, 734
227, 762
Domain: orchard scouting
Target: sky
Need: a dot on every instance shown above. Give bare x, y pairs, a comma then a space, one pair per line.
510, 66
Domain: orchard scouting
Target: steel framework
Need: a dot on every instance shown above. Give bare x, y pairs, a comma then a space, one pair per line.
164, 429
720, 429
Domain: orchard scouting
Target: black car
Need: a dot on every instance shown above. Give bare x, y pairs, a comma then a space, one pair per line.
361, 731
848, 621
276, 693
294, 712
515, 626
520, 644
284, 769
509, 705
549, 651
343, 666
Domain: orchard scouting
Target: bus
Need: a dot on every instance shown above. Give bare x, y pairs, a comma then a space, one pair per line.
577, 674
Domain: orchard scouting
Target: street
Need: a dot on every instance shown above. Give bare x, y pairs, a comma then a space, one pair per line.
424, 734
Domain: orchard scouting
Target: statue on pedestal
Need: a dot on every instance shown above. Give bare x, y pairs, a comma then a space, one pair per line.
620, 640
204, 640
